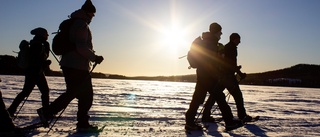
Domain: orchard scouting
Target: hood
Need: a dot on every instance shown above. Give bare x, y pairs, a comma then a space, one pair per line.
80, 14
208, 36
211, 41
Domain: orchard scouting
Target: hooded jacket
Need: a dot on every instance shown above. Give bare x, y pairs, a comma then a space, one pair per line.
80, 34
210, 63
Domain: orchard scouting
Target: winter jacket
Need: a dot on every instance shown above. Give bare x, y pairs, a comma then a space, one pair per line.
39, 52
231, 53
210, 64
80, 34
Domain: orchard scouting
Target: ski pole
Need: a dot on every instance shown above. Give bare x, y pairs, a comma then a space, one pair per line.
204, 106
54, 56
94, 65
20, 108
182, 56
28, 96
228, 96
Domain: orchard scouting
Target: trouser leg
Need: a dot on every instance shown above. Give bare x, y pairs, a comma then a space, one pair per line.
211, 101
234, 89
207, 107
85, 99
28, 86
224, 107
44, 89
5, 120
72, 84
197, 99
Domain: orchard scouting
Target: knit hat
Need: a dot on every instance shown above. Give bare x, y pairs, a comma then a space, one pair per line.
88, 7
39, 31
214, 27
234, 36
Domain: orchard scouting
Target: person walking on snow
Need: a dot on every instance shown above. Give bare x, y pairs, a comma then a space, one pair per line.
229, 81
207, 80
76, 70
34, 73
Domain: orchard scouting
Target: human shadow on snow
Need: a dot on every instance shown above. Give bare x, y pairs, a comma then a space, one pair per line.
196, 133
216, 129
256, 130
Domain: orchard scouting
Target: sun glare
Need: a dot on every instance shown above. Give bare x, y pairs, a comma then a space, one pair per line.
173, 39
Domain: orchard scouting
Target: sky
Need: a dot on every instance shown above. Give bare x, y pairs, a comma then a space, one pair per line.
146, 38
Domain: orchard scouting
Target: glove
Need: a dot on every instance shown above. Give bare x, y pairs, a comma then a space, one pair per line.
98, 59
48, 62
242, 75
239, 67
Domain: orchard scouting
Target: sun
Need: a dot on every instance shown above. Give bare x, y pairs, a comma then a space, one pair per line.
173, 39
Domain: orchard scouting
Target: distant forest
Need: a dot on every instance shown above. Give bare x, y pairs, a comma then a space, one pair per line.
301, 75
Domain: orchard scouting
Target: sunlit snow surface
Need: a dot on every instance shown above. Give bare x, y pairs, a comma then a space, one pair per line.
153, 108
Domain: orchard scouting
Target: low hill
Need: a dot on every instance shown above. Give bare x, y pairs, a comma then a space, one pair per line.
301, 75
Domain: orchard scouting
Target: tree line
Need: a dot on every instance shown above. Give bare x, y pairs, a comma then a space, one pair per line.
301, 75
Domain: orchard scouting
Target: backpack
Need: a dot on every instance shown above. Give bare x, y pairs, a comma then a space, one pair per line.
61, 43
194, 54
221, 49
24, 54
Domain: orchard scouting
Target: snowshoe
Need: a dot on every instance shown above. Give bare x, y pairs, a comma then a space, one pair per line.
236, 124
43, 118
248, 118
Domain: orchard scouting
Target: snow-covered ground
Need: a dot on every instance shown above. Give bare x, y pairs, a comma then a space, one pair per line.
153, 108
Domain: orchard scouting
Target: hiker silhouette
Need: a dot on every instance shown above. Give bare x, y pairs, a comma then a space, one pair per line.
229, 80
208, 80
34, 73
76, 66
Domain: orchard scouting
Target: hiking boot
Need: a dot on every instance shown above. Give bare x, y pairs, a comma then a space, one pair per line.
209, 120
87, 128
192, 126
44, 117
234, 125
246, 119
